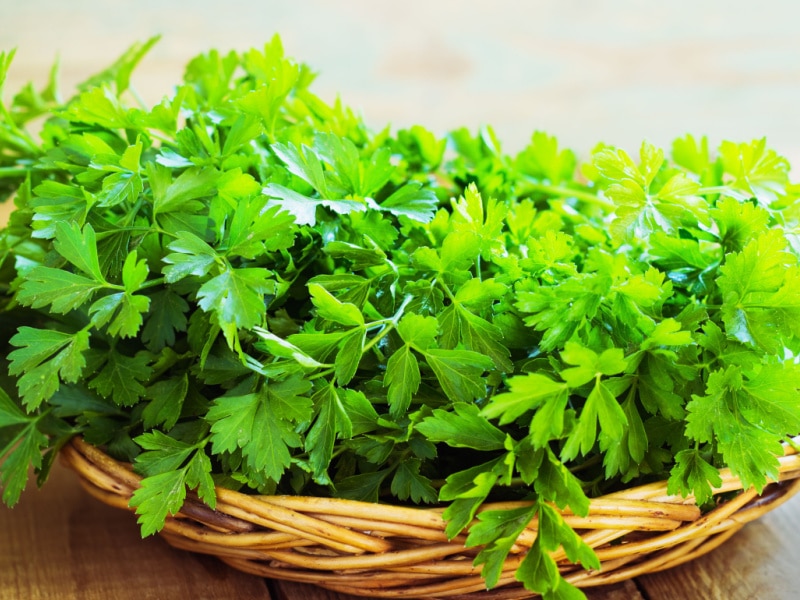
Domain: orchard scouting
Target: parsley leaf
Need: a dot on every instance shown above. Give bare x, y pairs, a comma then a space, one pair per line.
760, 287
45, 358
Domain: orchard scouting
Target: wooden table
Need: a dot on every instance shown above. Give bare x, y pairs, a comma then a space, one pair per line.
61, 544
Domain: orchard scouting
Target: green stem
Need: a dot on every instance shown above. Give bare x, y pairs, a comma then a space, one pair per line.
152, 283
381, 334
131, 215
321, 374
139, 100
717, 189
389, 325
9, 172
566, 192
587, 464
446, 290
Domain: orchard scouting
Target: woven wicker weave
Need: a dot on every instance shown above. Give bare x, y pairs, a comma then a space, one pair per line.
382, 551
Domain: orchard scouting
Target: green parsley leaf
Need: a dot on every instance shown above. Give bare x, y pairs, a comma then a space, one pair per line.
44, 358
190, 256
402, 378
462, 428
121, 377
413, 202
497, 531
601, 407
184, 192
693, 474
249, 423
167, 398
721, 416
332, 422
61, 290
166, 318
255, 229
328, 307
526, 392
236, 297
19, 454
408, 483
459, 372
158, 496
760, 288
303, 208
757, 171
79, 248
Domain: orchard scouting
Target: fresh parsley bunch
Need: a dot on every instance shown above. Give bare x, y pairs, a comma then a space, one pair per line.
244, 286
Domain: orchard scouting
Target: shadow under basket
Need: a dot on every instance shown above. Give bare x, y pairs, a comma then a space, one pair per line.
384, 551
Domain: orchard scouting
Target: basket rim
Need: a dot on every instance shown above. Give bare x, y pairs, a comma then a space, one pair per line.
640, 495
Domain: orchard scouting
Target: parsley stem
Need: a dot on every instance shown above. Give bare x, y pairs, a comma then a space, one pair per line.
716, 189
324, 373
139, 100
389, 325
131, 215
588, 463
566, 192
152, 283
12, 172
446, 290
17, 136
380, 335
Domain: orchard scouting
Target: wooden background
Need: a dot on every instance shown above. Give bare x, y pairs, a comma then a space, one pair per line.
619, 71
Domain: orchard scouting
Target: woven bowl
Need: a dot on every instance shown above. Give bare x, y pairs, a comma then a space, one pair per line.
383, 551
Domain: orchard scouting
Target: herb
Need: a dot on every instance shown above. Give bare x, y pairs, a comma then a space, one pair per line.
244, 286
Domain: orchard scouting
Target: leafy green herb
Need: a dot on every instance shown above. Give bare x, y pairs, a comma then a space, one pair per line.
245, 284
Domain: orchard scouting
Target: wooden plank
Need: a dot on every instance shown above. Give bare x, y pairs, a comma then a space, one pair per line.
61, 544
758, 562
288, 590
626, 590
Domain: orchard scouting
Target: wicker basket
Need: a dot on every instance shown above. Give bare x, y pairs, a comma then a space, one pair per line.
382, 551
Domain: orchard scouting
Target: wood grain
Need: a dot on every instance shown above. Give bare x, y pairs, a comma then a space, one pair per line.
287, 590
759, 562
61, 544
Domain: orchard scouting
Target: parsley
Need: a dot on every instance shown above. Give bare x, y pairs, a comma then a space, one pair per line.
244, 285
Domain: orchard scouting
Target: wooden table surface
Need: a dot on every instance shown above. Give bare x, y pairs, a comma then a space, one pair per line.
613, 70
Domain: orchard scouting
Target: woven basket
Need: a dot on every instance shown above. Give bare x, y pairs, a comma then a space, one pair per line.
382, 551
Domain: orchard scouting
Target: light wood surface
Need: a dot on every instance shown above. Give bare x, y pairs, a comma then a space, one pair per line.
617, 71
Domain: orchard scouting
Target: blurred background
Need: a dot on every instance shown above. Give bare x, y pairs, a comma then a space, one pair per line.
617, 71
